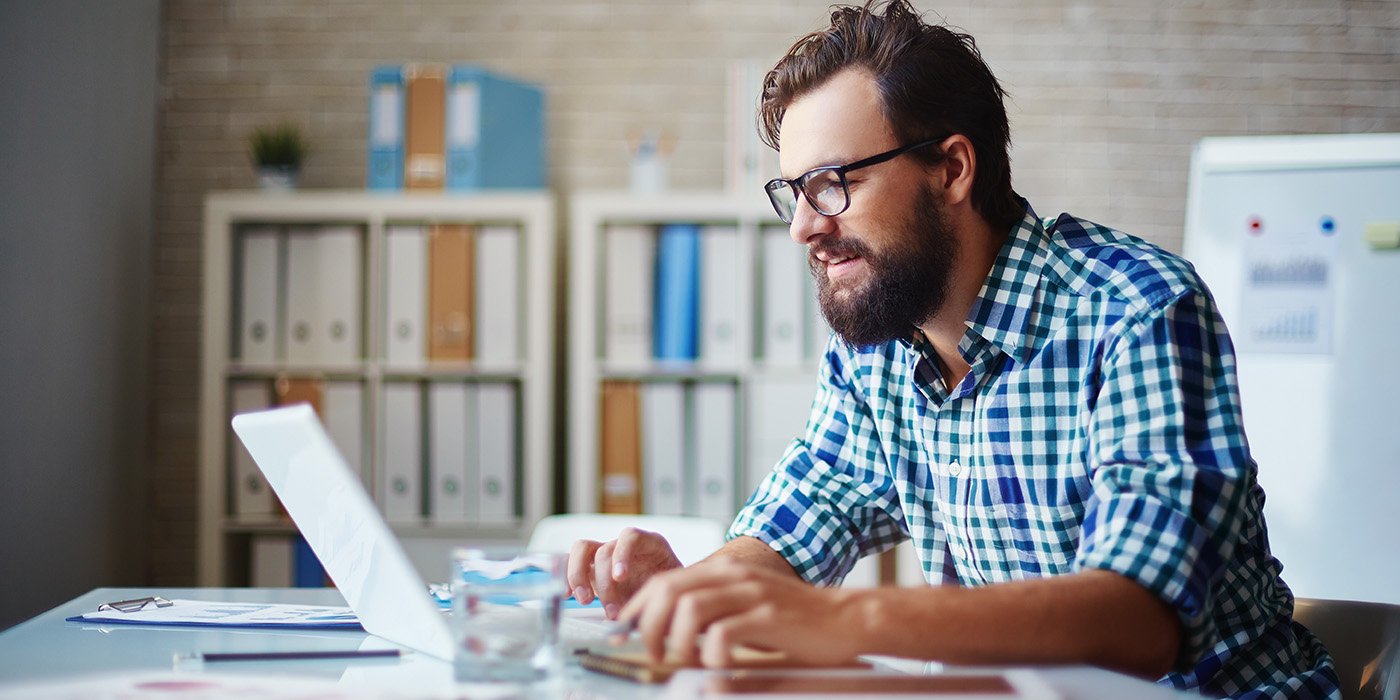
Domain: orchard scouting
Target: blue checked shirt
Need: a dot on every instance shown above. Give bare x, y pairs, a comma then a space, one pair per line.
1099, 428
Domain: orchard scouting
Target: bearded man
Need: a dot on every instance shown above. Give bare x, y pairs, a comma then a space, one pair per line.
1047, 407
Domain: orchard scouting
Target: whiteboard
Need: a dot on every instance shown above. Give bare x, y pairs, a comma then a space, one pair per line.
1276, 228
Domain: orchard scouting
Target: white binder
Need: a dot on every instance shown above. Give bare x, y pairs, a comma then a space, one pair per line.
715, 451
452, 452
258, 298
400, 488
778, 412
406, 295
252, 497
720, 317
339, 282
784, 263
301, 325
497, 295
343, 412
497, 440
629, 272
271, 562
663, 448
818, 332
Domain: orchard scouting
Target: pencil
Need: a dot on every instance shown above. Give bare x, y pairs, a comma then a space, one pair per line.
298, 655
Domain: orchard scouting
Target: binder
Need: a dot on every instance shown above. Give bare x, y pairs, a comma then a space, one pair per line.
386, 128
258, 327
425, 165
715, 450
450, 292
292, 390
340, 299
630, 257
748, 162
784, 264
499, 443
498, 295
677, 306
778, 412
620, 448
406, 295
400, 486
663, 448
452, 455
343, 412
301, 325
270, 561
720, 314
252, 496
306, 568
495, 131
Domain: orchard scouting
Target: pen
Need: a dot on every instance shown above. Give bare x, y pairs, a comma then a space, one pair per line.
292, 655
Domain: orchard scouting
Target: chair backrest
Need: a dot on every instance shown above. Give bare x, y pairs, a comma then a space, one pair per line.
692, 539
1364, 640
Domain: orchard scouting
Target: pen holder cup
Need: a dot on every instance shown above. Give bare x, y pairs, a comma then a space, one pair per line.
505, 615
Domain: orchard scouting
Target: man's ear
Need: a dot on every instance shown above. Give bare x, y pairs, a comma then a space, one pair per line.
954, 175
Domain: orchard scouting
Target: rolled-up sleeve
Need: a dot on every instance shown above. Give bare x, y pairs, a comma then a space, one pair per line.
830, 500
1170, 470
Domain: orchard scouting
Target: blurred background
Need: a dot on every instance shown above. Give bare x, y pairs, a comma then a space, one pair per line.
116, 118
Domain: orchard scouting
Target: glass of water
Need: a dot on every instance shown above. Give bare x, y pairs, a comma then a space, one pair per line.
505, 615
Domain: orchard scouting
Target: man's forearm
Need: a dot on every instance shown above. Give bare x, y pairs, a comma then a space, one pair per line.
1095, 617
751, 550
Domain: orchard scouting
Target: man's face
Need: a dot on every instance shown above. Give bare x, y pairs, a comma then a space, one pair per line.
883, 265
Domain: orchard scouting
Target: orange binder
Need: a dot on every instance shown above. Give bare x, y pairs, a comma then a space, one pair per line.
450, 252
292, 390
425, 162
620, 454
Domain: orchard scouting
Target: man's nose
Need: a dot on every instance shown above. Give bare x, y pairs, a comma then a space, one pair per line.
807, 225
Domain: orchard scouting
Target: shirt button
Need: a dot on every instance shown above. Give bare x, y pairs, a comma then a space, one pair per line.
954, 469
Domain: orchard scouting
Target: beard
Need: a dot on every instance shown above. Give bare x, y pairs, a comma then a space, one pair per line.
907, 281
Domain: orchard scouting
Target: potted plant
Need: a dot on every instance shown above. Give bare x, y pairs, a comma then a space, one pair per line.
277, 152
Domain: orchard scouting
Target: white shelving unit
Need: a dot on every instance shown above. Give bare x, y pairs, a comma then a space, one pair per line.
227, 214
590, 215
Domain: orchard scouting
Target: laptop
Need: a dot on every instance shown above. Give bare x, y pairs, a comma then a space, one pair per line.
344, 528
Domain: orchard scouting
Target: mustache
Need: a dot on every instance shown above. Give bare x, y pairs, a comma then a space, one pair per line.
836, 249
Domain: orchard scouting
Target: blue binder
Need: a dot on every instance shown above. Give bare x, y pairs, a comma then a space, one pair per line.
675, 334
386, 128
495, 131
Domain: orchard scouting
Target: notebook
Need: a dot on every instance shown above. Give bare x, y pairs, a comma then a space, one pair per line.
344, 528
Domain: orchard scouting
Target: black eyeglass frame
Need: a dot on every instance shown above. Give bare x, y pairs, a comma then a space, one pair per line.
798, 185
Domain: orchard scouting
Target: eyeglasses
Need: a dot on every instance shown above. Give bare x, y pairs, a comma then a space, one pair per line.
825, 187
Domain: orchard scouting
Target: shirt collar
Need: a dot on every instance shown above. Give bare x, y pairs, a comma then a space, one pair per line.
1004, 309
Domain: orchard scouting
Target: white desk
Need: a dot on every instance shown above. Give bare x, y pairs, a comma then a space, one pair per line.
49, 647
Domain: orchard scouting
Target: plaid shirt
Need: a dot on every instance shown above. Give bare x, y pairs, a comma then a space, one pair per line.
1099, 428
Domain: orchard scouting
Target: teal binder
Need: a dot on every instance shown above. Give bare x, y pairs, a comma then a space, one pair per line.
495, 131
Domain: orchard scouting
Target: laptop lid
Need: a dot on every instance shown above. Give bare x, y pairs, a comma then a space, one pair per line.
341, 524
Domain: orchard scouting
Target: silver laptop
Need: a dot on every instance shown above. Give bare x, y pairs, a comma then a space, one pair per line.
341, 524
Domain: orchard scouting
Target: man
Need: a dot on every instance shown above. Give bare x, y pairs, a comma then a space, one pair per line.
1047, 408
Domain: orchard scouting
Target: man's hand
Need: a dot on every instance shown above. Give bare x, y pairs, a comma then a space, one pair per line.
738, 603
613, 571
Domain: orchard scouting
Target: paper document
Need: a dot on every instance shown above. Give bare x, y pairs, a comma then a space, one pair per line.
196, 612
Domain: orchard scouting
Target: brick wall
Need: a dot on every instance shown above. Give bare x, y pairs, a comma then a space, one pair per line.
1107, 97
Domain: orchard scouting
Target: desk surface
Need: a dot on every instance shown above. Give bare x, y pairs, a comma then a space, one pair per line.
48, 647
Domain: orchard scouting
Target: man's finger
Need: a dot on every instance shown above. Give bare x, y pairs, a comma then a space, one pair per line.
602, 579
697, 609
626, 545
580, 570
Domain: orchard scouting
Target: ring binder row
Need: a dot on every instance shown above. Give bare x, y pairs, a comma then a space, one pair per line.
459, 127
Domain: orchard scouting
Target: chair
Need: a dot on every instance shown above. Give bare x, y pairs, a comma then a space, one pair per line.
1364, 640
692, 539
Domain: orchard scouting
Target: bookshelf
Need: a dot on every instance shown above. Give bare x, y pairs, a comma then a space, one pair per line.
358, 372
754, 365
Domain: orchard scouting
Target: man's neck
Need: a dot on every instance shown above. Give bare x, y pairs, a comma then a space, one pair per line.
979, 245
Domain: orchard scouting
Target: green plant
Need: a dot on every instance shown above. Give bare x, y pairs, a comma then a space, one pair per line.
280, 145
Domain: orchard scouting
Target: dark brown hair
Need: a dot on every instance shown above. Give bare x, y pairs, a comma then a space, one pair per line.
932, 82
